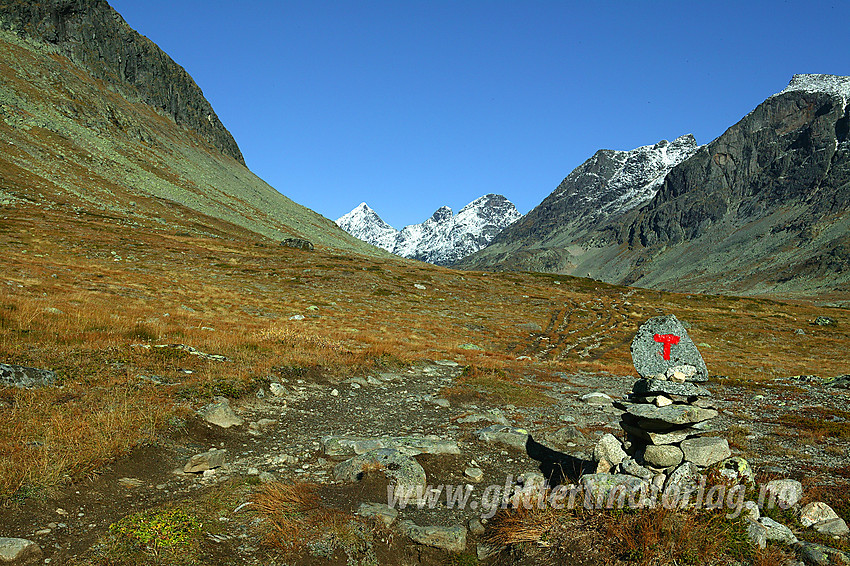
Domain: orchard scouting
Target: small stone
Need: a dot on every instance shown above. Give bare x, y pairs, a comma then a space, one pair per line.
19, 552
440, 402
565, 435
334, 393
815, 512
475, 526
220, 414
474, 474
253, 471
631, 467
267, 477
297, 317
205, 461
757, 533
597, 398
419, 286
379, 511
663, 401
683, 480
750, 510
277, 389
824, 321
705, 451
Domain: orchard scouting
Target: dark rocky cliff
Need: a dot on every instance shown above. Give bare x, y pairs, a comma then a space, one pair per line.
97, 38
762, 209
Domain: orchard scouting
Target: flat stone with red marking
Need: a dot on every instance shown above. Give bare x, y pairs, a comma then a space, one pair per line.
662, 343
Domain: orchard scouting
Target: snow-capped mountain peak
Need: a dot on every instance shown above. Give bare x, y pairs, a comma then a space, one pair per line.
444, 237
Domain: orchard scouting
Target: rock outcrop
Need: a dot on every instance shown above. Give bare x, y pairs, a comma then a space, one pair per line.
96, 37
761, 209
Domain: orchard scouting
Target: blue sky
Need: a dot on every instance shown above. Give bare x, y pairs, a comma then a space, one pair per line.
411, 105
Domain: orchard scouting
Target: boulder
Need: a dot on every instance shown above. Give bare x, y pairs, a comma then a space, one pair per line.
663, 456
450, 539
378, 511
815, 512
672, 437
777, 531
705, 451
597, 489
298, 244
503, 434
392, 463
25, 377
662, 343
833, 527
664, 419
608, 452
683, 480
786, 493
656, 386
19, 552
819, 555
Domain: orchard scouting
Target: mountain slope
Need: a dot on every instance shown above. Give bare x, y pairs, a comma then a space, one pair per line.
442, 239
763, 209
73, 139
605, 186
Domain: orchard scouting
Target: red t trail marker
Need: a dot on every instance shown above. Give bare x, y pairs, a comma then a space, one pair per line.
668, 340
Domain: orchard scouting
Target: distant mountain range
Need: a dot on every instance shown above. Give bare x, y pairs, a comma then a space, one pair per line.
763, 209
442, 239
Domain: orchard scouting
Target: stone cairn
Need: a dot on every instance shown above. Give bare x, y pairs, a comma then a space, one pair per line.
666, 416
668, 411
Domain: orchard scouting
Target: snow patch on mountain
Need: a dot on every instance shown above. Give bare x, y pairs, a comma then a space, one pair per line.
831, 84
612, 182
442, 239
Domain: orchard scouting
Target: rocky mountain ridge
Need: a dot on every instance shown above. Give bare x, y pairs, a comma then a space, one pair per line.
97, 38
442, 239
761, 209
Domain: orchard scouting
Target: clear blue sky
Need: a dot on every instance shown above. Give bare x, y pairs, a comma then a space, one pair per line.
411, 105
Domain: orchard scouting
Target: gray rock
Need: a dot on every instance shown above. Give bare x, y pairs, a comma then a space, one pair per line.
473, 474
503, 434
608, 452
819, 555
277, 389
450, 539
597, 488
683, 480
475, 526
655, 386
777, 531
220, 414
786, 493
658, 438
597, 398
341, 446
705, 451
663, 456
19, 552
833, 527
815, 512
652, 357
565, 435
631, 467
824, 321
393, 463
379, 511
298, 244
662, 419
205, 461
494, 416
25, 377
757, 533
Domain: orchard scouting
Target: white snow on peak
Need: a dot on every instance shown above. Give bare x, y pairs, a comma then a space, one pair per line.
365, 224
444, 237
832, 84
613, 181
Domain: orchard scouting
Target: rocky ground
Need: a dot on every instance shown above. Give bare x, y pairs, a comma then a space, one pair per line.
286, 433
